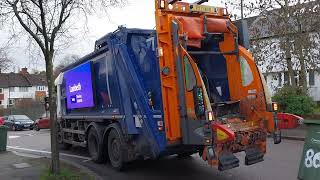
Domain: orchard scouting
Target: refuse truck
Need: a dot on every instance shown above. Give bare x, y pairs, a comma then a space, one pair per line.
189, 86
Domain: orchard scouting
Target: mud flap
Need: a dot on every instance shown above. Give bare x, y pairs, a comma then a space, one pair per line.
227, 161
253, 156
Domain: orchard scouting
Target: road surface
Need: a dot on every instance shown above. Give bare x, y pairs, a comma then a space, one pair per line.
281, 162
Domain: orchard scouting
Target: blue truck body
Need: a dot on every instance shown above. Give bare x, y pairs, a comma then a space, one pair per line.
126, 69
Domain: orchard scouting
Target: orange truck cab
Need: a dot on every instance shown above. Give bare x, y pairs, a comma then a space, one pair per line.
212, 90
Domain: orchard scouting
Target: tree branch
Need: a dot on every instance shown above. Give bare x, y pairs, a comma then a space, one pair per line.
25, 27
44, 29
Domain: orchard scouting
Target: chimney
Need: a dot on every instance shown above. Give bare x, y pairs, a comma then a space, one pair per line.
24, 71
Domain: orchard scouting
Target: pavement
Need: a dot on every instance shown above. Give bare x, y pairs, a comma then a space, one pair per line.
26, 146
16, 167
26, 166
281, 162
298, 133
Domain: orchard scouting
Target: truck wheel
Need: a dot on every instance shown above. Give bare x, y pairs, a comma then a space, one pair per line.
185, 155
95, 148
115, 150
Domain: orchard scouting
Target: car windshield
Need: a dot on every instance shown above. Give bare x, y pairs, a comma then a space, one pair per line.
21, 117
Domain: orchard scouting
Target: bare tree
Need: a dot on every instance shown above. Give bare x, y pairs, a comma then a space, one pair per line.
5, 61
294, 24
47, 22
67, 60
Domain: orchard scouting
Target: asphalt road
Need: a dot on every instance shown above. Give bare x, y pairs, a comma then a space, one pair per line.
281, 162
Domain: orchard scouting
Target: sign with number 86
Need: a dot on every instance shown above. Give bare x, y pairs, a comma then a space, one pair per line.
312, 159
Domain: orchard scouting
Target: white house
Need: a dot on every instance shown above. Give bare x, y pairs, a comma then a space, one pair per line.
19, 86
277, 80
270, 57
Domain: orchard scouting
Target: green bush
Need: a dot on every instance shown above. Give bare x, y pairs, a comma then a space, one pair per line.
294, 100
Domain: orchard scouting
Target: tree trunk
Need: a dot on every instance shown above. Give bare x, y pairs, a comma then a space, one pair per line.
55, 165
287, 45
289, 62
303, 71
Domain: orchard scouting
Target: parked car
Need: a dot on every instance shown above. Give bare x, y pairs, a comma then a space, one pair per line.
2, 120
19, 122
42, 123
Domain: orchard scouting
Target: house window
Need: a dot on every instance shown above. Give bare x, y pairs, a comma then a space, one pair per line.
11, 89
279, 79
286, 78
23, 89
0, 102
296, 78
311, 78
11, 101
1, 90
40, 88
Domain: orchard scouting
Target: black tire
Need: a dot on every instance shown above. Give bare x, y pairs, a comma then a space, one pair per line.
13, 128
116, 147
36, 127
185, 155
95, 147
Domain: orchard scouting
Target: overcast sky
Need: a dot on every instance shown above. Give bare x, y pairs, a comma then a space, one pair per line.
137, 14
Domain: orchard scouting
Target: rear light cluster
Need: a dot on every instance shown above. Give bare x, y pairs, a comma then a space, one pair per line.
210, 116
162, 4
199, 102
160, 125
275, 106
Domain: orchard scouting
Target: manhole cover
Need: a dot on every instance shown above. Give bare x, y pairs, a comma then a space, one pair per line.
21, 165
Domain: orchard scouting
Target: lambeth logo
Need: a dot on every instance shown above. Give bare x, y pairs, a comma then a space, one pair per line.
75, 88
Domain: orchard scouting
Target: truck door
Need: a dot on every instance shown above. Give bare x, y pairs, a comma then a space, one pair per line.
249, 88
190, 92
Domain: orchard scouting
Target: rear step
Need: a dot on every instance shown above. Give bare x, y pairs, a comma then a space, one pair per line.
227, 161
253, 155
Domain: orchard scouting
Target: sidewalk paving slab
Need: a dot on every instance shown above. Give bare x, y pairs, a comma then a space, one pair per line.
298, 133
24, 166
8, 171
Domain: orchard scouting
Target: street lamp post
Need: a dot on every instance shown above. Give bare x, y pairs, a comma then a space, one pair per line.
241, 9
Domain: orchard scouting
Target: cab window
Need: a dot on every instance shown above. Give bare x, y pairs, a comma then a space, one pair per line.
246, 73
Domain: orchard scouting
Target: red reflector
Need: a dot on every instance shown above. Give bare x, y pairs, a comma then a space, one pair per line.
223, 133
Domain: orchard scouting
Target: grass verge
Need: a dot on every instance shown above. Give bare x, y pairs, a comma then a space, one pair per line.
68, 172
